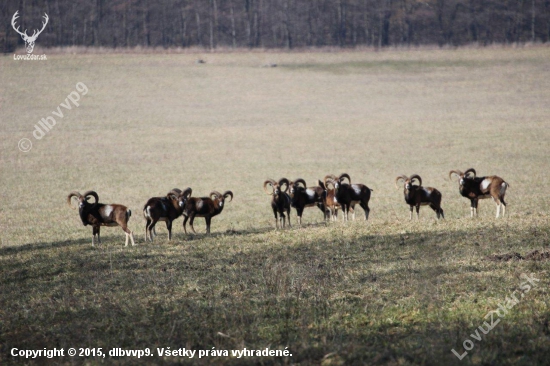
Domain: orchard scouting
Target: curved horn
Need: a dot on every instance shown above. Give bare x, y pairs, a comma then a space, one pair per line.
417, 177
344, 175
402, 177
330, 181
187, 192
93, 194
174, 192
272, 183
71, 195
228, 193
457, 172
215, 193
282, 182
300, 180
328, 178
471, 170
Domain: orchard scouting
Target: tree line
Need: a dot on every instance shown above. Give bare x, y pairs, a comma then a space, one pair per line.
276, 23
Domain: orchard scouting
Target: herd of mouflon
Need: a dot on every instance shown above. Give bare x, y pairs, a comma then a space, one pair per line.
330, 195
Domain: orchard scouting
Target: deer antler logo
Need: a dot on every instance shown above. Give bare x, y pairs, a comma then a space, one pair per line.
29, 41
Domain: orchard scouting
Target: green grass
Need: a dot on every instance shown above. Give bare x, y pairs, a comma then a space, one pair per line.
390, 291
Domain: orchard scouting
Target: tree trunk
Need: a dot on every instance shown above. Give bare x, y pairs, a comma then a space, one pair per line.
211, 25
198, 19
247, 6
386, 27
286, 24
259, 24
533, 16
73, 15
96, 21
183, 26
233, 31
366, 24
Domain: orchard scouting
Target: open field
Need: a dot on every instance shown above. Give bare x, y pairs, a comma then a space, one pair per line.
390, 291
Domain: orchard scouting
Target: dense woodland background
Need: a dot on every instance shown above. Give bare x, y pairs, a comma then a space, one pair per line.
276, 23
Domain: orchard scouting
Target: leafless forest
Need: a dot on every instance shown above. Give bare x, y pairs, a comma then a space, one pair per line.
277, 23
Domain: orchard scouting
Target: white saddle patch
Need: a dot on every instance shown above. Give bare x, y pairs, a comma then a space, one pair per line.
310, 193
107, 210
356, 189
200, 203
485, 184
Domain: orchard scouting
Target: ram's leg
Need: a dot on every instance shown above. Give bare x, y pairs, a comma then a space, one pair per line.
288, 213
353, 212
128, 235
365, 207
169, 227
208, 219
147, 229
498, 206
411, 212
283, 218
299, 213
98, 237
345, 211
191, 219
152, 229
418, 212
436, 209
276, 218
503, 207
185, 223
95, 231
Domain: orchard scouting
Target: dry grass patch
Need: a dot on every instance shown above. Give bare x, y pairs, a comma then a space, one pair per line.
390, 291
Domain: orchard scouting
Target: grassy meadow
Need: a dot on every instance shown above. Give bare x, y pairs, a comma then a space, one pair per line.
385, 292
